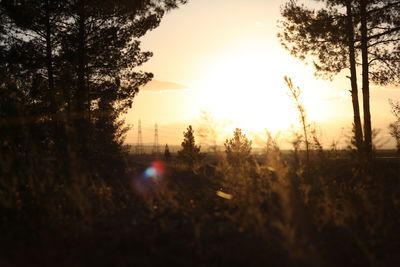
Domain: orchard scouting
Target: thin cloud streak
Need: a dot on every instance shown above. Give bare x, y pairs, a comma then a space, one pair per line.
156, 86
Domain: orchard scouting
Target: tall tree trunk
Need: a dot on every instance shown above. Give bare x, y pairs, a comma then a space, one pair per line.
50, 73
353, 78
49, 59
365, 78
81, 93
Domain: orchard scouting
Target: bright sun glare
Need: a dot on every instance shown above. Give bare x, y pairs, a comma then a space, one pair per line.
244, 85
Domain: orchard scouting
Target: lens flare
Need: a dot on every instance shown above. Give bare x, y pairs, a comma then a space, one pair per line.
156, 170
150, 172
147, 182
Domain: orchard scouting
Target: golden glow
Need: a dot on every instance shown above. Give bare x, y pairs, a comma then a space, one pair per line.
228, 54
244, 85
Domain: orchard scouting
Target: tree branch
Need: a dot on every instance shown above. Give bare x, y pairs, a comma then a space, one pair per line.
384, 42
393, 30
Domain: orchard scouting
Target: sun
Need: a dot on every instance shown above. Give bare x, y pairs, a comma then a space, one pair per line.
245, 85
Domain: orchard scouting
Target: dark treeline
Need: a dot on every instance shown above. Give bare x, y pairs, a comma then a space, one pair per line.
67, 73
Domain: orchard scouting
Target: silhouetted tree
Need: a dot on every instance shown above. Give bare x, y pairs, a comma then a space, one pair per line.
358, 133
103, 51
328, 38
167, 153
77, 63
380, 51
71, 68
26, 137
190, 153
238, 148
333, 35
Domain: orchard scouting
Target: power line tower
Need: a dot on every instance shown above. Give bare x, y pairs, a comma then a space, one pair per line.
156, 147
139, 144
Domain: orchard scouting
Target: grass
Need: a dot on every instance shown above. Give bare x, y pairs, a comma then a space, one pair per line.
331, 212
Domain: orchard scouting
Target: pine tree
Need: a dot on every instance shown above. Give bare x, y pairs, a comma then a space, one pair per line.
335, 36
238, 148
326, 39
75, 66
190, 153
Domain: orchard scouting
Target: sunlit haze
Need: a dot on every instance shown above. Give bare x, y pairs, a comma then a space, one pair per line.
224, 58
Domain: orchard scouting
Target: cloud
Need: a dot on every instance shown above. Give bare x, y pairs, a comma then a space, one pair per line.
339, 96
158, 86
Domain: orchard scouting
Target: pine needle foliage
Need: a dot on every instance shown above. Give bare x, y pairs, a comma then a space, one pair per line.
238, 148
190, 153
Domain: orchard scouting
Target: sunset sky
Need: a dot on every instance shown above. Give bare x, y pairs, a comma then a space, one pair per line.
223, 57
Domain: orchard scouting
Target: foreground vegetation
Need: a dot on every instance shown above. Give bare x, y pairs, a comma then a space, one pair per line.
266, 210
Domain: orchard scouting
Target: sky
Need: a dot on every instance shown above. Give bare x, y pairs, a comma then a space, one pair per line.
221, 59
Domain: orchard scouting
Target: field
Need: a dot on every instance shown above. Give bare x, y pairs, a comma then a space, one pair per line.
266, 212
